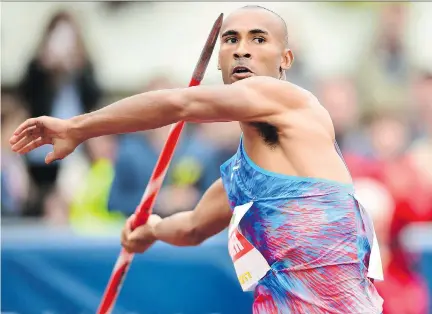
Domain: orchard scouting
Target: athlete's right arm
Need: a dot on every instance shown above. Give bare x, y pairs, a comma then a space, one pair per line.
256, 99
211, 215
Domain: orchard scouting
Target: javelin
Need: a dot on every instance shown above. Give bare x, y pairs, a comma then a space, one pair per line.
145, 207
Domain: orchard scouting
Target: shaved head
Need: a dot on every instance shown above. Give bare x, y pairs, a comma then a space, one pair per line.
284, 27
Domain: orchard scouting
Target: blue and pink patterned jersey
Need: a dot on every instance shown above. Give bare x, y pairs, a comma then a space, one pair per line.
312, 233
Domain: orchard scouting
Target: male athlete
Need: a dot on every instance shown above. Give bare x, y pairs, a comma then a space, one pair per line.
297, 235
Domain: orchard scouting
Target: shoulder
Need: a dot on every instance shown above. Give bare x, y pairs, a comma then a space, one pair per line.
287, 94
295, 105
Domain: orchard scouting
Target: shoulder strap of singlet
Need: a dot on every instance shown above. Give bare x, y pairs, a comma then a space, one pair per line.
335, 145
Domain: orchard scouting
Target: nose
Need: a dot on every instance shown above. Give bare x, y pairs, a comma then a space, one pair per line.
238, 55
241, 52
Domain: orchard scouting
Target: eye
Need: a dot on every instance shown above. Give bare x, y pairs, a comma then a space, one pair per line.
231, 40
259, 40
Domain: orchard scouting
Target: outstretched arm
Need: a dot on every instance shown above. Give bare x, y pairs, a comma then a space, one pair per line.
210, 216
254, 99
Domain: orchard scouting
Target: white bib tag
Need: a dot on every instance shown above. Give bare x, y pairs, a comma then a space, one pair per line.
249, 264
375, 269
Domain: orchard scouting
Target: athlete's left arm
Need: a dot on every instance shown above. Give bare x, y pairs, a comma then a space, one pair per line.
258, 99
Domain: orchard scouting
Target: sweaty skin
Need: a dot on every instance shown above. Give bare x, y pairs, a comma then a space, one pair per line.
250, 38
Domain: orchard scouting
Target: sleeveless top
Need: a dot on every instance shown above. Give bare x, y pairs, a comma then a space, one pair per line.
303, 245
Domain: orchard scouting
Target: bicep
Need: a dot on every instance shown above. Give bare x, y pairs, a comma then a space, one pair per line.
213, 213
256, 99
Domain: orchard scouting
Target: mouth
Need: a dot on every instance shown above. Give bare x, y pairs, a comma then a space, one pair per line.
240, 72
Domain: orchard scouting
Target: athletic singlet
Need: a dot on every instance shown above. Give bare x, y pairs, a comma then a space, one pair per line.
303, 245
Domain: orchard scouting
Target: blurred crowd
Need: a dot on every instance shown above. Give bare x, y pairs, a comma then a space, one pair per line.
382, 117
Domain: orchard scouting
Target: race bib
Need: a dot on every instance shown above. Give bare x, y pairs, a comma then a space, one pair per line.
249, 264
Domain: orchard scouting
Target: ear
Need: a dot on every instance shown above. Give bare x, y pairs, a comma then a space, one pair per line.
287, 59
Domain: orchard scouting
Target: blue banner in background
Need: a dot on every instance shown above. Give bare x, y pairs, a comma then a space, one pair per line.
56, 272
61, 274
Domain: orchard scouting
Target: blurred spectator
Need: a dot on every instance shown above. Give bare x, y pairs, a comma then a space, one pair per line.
385, 138
297, 73
59, 82
401, 280
14, 179
384, 71
421, 104
394, 174
225, 139
136, 158
388, 162
89, 209
389, 135
420, 152
390, 138
394, 199
339, 97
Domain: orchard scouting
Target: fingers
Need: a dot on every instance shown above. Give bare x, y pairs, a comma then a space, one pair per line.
19, 133
50, 157
135, 246
22, 143
29, 144
138, 240
25, 138
124, 237
28, 136
142, 234
139, 244
26, 124
32, 132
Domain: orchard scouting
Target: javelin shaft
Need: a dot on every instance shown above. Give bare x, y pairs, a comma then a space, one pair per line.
144, 209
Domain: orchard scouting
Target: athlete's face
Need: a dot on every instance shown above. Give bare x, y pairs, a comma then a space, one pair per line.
252, 43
